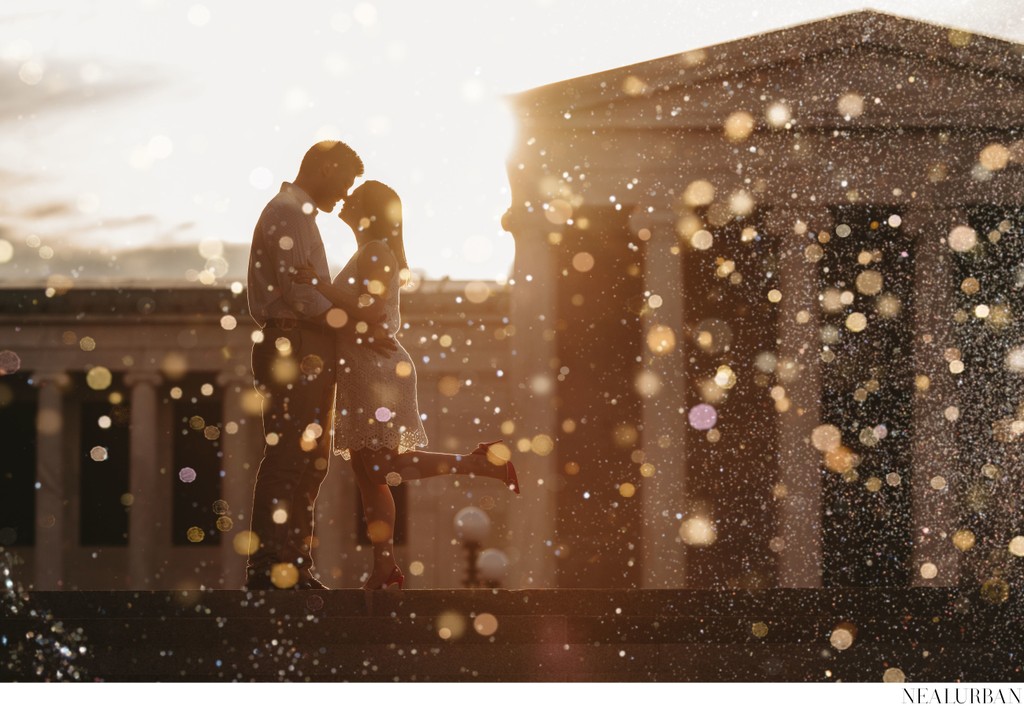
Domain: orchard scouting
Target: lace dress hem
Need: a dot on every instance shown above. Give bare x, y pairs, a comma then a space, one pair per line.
401, 441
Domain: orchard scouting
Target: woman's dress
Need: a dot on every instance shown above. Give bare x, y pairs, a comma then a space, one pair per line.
376, 403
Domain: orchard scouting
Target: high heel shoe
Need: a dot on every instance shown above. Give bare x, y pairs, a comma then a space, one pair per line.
482, 448
511, 478
395, 578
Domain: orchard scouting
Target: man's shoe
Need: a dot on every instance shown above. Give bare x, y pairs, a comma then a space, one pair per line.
309, 583
257, 580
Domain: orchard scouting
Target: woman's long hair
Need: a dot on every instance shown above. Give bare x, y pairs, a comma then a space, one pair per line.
380, 205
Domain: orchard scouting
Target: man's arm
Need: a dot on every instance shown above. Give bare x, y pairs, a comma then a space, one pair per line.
361, 306
351, 300
283, 254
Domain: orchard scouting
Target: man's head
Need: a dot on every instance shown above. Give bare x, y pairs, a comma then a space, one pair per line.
328, 171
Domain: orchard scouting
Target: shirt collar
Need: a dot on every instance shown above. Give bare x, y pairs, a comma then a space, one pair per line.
299, 195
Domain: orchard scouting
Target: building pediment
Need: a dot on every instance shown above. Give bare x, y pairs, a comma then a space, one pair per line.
874, 69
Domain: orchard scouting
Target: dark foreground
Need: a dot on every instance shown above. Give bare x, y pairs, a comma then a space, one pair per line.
512, 635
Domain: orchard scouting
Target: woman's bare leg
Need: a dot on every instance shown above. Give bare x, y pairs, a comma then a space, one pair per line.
419, 464
379, 507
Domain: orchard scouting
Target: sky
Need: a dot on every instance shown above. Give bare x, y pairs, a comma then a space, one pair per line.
141, 138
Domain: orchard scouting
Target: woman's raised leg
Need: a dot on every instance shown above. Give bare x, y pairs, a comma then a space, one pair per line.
419, 464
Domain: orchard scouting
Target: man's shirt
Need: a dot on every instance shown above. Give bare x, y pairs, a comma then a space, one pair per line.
286, 237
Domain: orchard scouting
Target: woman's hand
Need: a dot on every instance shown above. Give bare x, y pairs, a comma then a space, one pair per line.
379, 340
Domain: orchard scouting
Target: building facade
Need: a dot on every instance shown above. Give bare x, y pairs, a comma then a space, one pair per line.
771, 291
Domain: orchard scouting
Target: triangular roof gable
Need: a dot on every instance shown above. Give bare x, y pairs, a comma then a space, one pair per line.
868, 30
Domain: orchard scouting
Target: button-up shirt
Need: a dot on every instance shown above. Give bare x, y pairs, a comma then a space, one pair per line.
286, 238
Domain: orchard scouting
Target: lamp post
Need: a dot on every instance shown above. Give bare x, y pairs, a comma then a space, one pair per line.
492, 565
472, 525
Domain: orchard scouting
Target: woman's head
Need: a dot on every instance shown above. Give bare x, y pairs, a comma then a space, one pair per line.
374, 212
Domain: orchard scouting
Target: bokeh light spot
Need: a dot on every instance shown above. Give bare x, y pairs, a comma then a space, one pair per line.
738, 126
841, 638
451, 625
963, 238
963, 539
485, 624
449, 386
1016, 546
703, 416
894, 675
826, 438
661, 339
995, 591
284, 575
379, 531
698, 531
245, 543
702, 240
583, 262
10, 362
99, 378
850, 105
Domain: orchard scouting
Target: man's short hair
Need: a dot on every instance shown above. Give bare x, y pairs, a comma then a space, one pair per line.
332, 153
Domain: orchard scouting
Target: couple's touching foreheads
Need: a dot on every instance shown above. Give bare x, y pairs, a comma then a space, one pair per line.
331, 372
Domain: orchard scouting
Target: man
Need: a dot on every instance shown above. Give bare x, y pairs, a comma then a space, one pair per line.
294, 366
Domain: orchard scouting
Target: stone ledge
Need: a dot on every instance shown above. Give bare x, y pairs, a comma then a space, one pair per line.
540, 635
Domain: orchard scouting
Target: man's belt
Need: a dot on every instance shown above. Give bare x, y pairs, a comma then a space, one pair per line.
287, 324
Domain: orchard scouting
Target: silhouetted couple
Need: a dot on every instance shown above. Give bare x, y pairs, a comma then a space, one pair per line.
329, 358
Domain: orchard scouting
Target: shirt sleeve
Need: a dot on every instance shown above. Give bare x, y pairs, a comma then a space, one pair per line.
286, 244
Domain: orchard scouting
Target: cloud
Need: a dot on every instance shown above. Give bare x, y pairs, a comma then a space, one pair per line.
123, 222
165, 265
9, 178
63, 86
61, 222
47, 210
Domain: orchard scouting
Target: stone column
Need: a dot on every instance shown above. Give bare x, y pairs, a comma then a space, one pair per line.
240, 450
533, 351
798, 486
51, 496
145, 480
664, 409
935, 449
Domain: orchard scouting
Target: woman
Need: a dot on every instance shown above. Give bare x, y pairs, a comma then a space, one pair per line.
377, 420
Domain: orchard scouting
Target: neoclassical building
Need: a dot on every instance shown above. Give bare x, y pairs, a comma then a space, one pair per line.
768, 298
